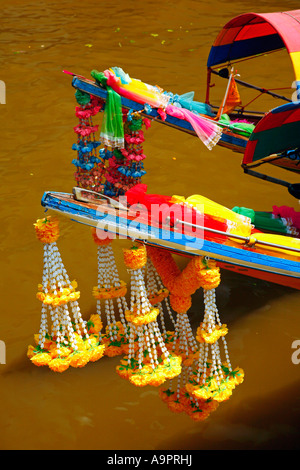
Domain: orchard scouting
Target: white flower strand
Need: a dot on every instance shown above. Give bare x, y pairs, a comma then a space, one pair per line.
108, 277
56, 278
154, 284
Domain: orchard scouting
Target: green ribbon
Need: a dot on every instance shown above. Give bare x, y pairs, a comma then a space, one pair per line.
112, 130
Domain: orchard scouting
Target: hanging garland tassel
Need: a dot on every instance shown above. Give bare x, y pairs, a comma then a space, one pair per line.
111, 291
213, 380
67, 342
158, 296
150, 363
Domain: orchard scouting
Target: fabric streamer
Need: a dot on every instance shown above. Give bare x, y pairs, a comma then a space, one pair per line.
207, 130
112, 132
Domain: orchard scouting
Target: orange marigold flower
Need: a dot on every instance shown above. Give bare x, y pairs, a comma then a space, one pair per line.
157, 378
157, 297
110, 292
204, 337
139, 380
112, 351
41, 359
79, 359
135, 257
94, 324
123, 372
62, 351
180, 304
175, 406
59, 365
143, 318
101, 237
30, 351
47, 229
96, 353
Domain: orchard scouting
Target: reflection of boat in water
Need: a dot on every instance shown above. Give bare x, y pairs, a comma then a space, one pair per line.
260, 244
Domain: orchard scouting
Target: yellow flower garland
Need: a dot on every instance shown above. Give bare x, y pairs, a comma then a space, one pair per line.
143, 318
112, 292
204, 336
59, 360
146, 375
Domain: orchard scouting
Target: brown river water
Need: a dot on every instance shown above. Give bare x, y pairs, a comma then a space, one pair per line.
164, 43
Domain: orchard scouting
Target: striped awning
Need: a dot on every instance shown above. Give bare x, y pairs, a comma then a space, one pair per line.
251, 34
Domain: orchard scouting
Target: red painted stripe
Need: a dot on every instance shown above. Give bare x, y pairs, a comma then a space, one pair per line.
286, 24
249, 152
271, 121
265, 276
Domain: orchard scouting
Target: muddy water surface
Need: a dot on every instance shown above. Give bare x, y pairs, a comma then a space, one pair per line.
164, 43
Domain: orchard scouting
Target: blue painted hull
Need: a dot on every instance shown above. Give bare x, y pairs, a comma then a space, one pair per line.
271, 266
228, 139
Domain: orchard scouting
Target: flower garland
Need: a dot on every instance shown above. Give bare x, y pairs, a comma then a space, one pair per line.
199, 272
89, 167
125, 167
110, 290
150, 363
158, 296
60, 359
66, 342
214, 379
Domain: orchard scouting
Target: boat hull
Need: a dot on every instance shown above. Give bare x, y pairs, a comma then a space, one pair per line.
272, 266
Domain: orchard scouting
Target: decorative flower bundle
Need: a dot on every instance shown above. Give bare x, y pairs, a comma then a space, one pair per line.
214, 379
150, 363
125, 167
182, 285
67, 342
89, 167
111, 291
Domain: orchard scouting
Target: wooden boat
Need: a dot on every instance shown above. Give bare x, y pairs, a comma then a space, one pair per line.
267, 256
276, 136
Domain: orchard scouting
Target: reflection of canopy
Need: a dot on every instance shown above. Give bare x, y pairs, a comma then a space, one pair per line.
254, 33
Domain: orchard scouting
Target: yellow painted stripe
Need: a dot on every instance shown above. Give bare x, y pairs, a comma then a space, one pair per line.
295, 58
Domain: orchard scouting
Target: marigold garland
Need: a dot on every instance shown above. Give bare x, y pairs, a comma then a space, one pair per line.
150, 363
62, 344
60, 358
158, 296
47, 229
203, 336
198, 272
213, 379
111, 291
135, 257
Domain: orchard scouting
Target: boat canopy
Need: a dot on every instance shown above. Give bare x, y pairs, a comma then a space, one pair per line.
250, 34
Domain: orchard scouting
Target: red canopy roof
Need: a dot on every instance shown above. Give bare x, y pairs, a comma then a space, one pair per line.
254, 33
